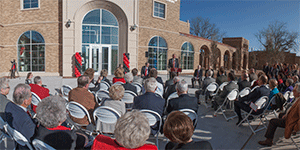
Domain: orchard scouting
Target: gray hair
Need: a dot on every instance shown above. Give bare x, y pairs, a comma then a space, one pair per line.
21, 93
3, 83
132, 129
298, 87
290, 81
37, 79
182, 86
51, 111
209, 73
116, 92
150, 84
128, 77
176, 79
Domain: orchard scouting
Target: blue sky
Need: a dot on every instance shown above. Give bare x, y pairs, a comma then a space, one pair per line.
241, 18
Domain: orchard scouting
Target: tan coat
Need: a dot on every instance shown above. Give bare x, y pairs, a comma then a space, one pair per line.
292, 122
86, 99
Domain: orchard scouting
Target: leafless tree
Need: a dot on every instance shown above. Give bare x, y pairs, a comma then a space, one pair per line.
215, 54
277, 39
203, 28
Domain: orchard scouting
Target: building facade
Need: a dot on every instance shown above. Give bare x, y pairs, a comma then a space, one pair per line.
43, 36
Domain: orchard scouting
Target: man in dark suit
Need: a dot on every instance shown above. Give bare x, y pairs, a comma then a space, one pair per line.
173, 63
222, 78
145, 70
266, 68
170, 81
150, 100
184, 101
262, 90
219, 99
128, 86
210, 68
172, 88
16, 112
4, 90
197, 76
244, 82
208, 80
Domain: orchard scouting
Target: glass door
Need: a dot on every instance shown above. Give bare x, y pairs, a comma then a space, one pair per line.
100, 58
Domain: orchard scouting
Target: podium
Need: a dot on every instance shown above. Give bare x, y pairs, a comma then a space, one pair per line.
176, 70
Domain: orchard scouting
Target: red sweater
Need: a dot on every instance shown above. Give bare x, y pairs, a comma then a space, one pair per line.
115, 79
104, 142
40, 91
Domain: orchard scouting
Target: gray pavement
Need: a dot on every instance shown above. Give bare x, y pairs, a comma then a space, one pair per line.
220, 133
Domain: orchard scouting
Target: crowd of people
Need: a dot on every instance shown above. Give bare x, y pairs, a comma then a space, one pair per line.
132, 129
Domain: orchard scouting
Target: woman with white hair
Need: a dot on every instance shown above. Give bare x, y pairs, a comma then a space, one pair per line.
132, 131
51, 113
116, 93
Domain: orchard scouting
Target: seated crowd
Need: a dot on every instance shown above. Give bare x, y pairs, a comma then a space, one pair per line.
49, 121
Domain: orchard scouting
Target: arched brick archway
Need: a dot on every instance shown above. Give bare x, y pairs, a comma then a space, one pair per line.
227, 60
218, 64
204, 56
234, 61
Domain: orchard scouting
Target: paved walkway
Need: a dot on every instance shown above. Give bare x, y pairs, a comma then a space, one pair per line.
220, 133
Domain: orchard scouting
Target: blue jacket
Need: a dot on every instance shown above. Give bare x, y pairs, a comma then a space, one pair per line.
149, 101
18, 119
273, 92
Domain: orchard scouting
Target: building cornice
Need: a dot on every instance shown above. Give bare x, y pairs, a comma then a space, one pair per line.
29, 23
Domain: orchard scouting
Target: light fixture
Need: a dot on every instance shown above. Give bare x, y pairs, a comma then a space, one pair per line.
68, 24
132, 28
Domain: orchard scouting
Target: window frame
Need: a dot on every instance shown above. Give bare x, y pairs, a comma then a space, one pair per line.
187, 51
158, 47
153, 9
22, 6
18, 52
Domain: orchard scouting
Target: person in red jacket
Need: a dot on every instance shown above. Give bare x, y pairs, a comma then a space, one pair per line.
38, 89
119, 76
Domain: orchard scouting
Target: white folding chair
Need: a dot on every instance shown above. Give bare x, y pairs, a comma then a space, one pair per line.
107, 115
35, 99
259, 104
128, 99
292, 138
252, 82
244, 92
104, 85
3, 134
153, 118
78, 111
267, 111
40, 145
254, 88
118, 83
100, 95
17, 136
220, 88
228, 100
65, 89
286, 95
192, 114
212, 87
173, 95
138, 87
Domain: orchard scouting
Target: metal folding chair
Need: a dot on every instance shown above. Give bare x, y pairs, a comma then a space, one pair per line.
138, 87
40, 145
260, 103
244, 92
254, 88
153, 118
212, 87
100, 95
3, 134
118, 83
104, 85
220, 88
65, 89
128, 99
173, 95
17, 136
228, 100
192, 114
106, 115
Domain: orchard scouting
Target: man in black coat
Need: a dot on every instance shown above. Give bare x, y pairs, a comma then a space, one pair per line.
172, 88
197, 76
184, 101
128, 86
259, 92
244, 82
266, 68
145, 70
222, 77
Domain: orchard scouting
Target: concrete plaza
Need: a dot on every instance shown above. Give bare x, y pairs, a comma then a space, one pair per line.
220, 133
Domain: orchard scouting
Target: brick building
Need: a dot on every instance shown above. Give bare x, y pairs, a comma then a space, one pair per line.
43, 36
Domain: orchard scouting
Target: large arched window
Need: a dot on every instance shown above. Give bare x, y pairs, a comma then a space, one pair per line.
100, 40
187, 56
31, 52
157, 50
